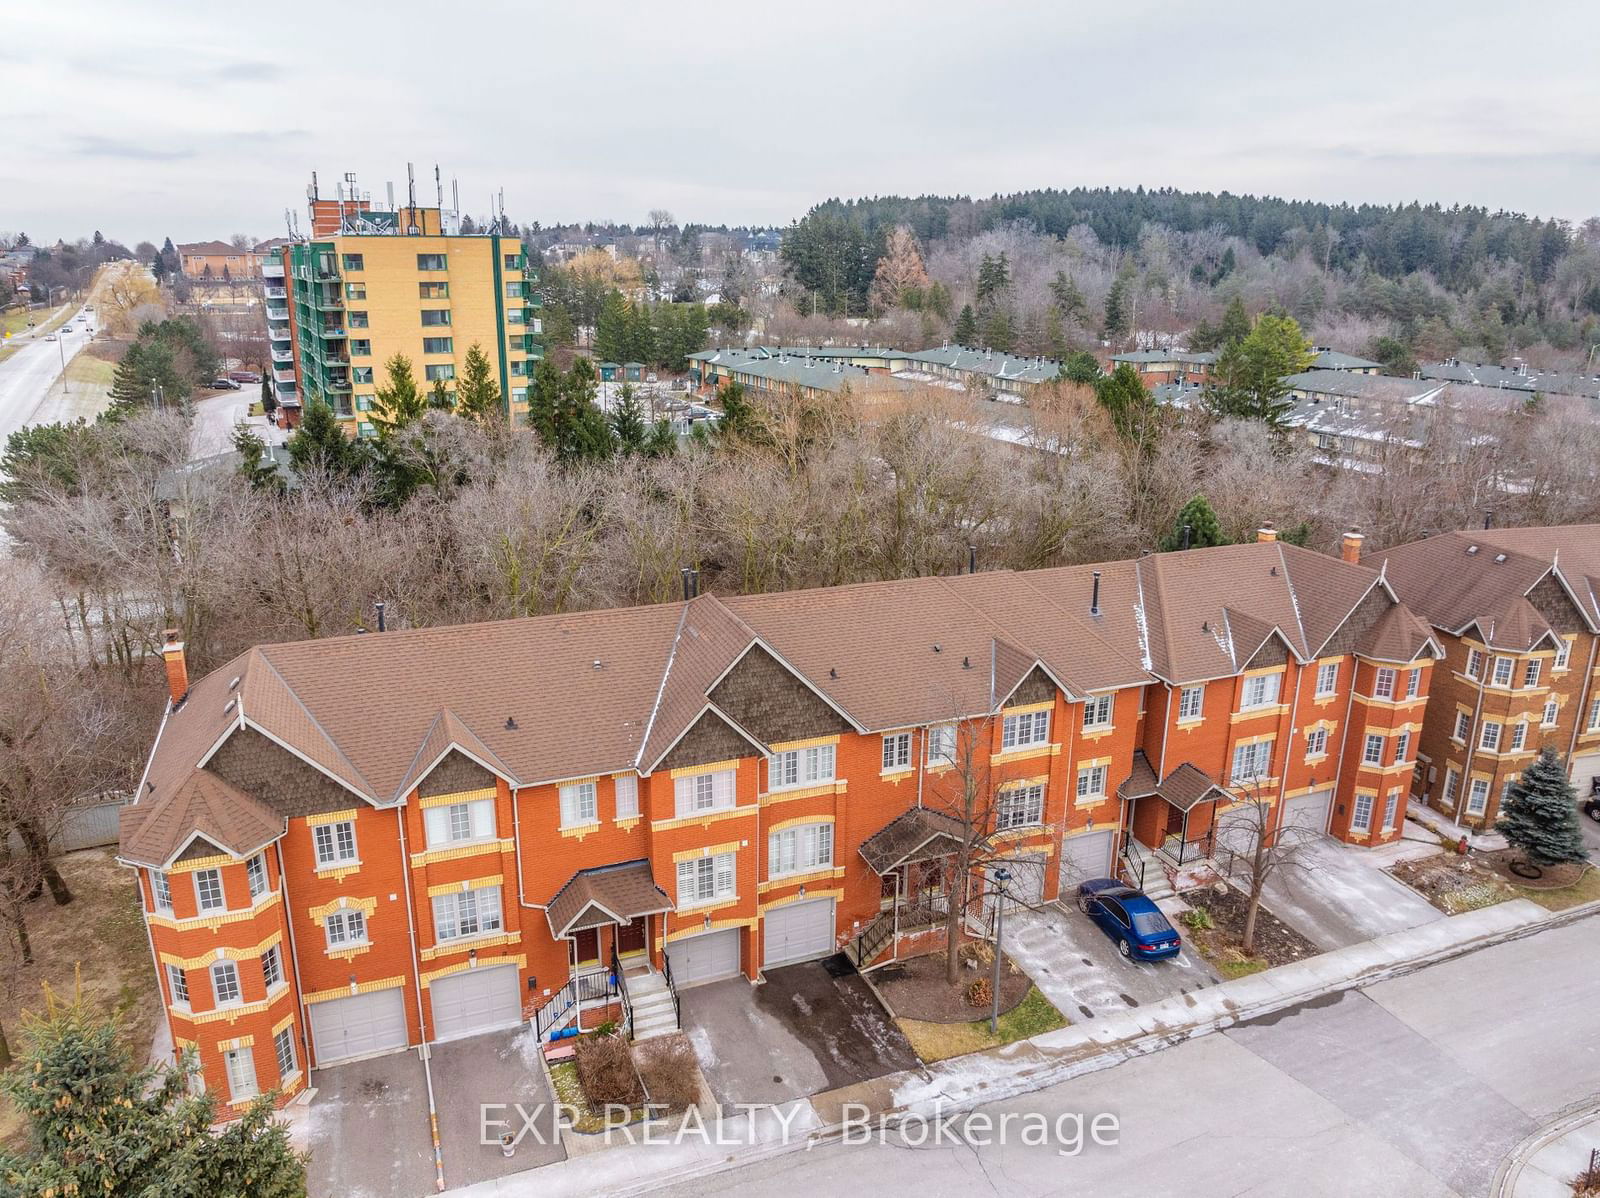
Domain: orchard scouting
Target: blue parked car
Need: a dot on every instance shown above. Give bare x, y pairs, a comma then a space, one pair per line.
1128, 917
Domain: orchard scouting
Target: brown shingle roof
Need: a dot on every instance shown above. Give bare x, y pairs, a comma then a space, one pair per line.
609, 894
1398, 636
920, 834
206, 806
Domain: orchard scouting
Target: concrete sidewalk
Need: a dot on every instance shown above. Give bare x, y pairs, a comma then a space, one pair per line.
1030, 1065
1544, 1165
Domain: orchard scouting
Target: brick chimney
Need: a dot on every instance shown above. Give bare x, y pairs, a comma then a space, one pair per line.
1351, 545
177, 667
1267, 532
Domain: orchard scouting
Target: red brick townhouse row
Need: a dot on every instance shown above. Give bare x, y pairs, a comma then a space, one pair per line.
351, 846
1518, 613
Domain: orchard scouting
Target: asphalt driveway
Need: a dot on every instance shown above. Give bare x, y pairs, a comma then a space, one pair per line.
1078, 968
802, 1031
368, 1130
497, 1070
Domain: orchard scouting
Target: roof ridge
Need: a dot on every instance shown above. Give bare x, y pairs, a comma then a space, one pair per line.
1294, 599
661, 690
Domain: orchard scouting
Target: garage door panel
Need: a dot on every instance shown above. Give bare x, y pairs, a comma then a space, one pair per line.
475, 1001
1585, 768
798, 932
706, 958
1309, 811
1085, 856
359, 1026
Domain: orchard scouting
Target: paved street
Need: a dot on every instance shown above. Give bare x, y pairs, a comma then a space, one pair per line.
26, 376
1416, 1086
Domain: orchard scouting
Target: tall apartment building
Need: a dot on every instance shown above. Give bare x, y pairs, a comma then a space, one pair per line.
1517, 611
698, 790
369, 284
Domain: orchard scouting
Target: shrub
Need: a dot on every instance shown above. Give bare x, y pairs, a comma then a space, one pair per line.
1199, 919
605, 1070
669, 1071
980, 993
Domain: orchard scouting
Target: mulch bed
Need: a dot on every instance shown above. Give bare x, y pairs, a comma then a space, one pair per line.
1276, 942
1454, 883
1554, 877
915, 989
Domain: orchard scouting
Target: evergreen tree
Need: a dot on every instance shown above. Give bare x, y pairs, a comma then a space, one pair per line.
739, 420
320, 444
628, 423
477, 392
254, 464
1248, 380
129, 392
398, 402
641, 341
1235, 326
1117, 317
997, 332
269, 397
1203, 527
1539, 814
1122, 394
1068, 298
966, 330
439, 399
1080, 367
611, 331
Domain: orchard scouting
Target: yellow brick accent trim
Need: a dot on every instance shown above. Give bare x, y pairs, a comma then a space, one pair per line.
837, 787
627, 823
717, 925
809, 742
213, 922
579, 831
285, 1022
803, 898
344, 902
371, 987
469, 884
351, 953
222, 953
731, 846
798, 820
1261, 670
475, 942
805, 879
215, 861
247, 1041
433, 975
714, 767
705, 818
1086, 763
1255, 740
1019, 783
1275, 710
1013, 838
460, 796
339, 872
1050, 750
1026, 708
457, 852
331, 817
230, 1014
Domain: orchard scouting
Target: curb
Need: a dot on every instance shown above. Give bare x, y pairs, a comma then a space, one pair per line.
1567, 1120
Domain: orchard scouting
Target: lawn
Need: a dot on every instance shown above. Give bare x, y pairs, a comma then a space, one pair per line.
939, 1041
16, 323
101, 935
85, 367
1585, 890
569, 1093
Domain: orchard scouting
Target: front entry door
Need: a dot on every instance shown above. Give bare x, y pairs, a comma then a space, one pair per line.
630, 937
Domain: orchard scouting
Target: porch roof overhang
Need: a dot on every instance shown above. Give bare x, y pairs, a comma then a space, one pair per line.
606, 894
1185, 787
912, 836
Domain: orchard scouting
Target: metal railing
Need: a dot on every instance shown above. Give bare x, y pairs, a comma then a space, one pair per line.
672, 989
1132, 867
554, 1013
620, 986
870, 940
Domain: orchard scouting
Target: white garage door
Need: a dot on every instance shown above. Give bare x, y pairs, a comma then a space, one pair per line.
1025, 888
1309, 811
1585, 768
1085, 856
477, 1000
707, 958
798, 932
359, 1026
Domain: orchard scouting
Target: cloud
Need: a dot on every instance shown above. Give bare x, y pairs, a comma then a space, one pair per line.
92, 146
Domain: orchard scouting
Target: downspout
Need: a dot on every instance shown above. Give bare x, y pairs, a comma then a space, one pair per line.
422, 1027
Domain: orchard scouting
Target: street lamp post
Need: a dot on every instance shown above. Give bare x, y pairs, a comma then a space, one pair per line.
1001, 876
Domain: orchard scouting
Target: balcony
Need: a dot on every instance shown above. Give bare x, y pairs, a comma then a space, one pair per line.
283, 376
329, 330
286, 388
279, 332
282, 355
534, 300
328, 303
272, 270
277, 313
275, 293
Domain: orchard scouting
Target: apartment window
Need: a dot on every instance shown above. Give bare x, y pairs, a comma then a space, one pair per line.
455, 823
357, 320
1252, 761
1361, 817
1551, 710
1489, 738
514, 289
255, 870
366, 429
627, 794
513, 261
1029, 728
1097, 712
1594, 716
161, 889
801, 767
579, 805
1191, 701
354, 262
272, 967
438, 345
897, 751
942, 744
1020, 807
1530, 672
283, 1052
363, 403
1260, 690
515, 316
355, 291
1463, 723
704, 792
518, 369
705, 879
1563, 655
464, 913
335, 843
430, 262
225, 982
1383, 683
444, 370
345, 928
1316, 742
178, 983
360, 348
435, 317
361, 374
1092, 782
1478, 796
241, 1074
799, 849
1391, 809
1474, 664
433, 290
208, 890
1519, 735
519, 395
1402, 747
1452, 784
1327, 679
1372, 754
1414, 684
1502, 671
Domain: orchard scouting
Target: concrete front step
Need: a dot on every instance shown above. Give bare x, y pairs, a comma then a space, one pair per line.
655, 1025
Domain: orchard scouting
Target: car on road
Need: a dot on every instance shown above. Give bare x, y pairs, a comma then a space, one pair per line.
223, 385
1591, 805
244, 376
1130, 918
49, 336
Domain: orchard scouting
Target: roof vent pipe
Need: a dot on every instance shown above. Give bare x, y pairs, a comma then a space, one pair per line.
379, 606
1094, 602
972, 559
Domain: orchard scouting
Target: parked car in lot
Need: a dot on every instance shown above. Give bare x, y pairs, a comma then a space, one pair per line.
1128, 916
1591, 805
244, 376
224, 385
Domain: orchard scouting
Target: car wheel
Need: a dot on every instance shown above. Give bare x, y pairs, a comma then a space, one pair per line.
1594, 813
1122, 947
1083, 903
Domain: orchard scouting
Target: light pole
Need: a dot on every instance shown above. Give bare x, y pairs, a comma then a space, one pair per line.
1000, 876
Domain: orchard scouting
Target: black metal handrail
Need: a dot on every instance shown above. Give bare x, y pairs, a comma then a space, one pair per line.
672, 989
1134, 865
555, 1011
619, 982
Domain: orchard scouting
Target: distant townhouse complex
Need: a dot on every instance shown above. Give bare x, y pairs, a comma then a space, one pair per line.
350, 846
869, 370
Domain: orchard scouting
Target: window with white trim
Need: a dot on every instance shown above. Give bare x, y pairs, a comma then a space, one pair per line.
459, 823
178, 983
346, 928
255, 870
1413, 684
705, 879
1020, 807
896, 751
208, 890
241, 1067
1260, 690
283, 1053
1478, 796
1519, 735
1530, 672
272, 967
1097, 712
1391, 810
1502, 671
1092, 782
1361, 817
1474, 664
1191, 702
1452, 784
225, 982
1252, 761
1402, 747
1594, 716
1025, 729
1317, 743
703, 792
799, 849
1327, 679
809, 766
1372, 752
579, 805
161, 890
1563, 655
462, 913
335, 843
942, 744
1383, 683
627, 787
1489, 737
1552, 710
1463, 726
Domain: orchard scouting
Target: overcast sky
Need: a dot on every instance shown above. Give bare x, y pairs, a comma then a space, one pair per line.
152, 118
